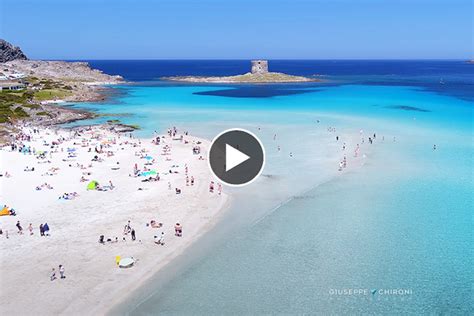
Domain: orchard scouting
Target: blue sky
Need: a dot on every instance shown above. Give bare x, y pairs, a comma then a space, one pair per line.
226, 29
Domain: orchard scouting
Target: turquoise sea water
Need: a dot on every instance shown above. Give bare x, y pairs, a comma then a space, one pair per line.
403, 221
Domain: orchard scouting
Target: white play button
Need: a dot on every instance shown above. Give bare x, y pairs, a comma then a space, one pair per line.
236, 157
233, 157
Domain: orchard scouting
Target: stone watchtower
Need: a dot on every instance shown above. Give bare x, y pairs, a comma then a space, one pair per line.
259, 66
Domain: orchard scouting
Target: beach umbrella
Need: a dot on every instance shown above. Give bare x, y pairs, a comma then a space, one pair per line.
4, 211
126, 262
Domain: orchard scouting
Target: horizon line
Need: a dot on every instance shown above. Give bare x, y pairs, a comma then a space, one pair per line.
249, 59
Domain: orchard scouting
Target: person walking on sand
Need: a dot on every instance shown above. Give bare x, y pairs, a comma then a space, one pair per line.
46, 229
211, 187
219, 188
133, 234
53, 274
20, 229
192, 180
178, 230
30, 229
61, 271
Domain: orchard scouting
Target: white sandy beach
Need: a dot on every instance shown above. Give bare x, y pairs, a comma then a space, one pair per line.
93, 280
94, 283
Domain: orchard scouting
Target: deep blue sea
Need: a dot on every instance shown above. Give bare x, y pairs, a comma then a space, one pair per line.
300, 241
456, 75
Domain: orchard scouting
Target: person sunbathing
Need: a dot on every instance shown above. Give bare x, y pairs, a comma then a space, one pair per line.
153, 224
160, 240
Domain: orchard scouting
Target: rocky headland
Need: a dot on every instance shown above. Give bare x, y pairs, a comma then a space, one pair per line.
33, 90
9, 52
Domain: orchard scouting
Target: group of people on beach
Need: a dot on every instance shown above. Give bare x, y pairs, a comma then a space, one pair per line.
44, 186
98, 154
129, 230
212, 187
43, 228
61, 270
160, 239
68, 196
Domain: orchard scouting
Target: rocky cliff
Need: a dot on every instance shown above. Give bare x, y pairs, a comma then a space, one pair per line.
9, 52
60, 70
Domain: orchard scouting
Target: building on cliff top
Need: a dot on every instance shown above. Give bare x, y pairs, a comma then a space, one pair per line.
259, 66
11, 85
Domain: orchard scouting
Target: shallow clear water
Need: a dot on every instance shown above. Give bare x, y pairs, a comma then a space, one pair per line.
401, 221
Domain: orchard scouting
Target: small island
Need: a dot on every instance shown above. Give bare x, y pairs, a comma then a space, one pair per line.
259, 74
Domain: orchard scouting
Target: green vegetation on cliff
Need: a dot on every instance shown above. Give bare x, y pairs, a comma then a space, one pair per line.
51, 94
10, 105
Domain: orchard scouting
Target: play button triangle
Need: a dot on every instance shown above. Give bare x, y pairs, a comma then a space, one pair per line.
233, 157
